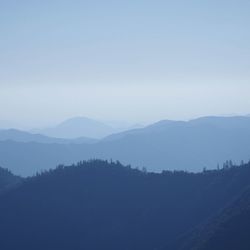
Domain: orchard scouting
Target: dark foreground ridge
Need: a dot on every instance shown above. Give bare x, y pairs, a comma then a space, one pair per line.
7, 180
98, 205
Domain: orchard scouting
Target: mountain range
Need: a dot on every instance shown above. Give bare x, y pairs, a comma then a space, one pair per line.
174, 145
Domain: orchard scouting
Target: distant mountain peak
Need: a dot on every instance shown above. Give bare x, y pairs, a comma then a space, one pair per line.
79, 126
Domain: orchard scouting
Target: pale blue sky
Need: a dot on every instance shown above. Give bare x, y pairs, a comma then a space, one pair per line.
129, 60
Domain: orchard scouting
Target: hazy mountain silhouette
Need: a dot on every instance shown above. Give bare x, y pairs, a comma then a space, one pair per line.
79, 127
172, 145
100, 205
4, 124
236, 122
23, 136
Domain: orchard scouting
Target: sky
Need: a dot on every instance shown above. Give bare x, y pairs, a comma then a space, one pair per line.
137, 61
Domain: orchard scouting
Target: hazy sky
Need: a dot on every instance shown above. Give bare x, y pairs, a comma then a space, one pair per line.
134, 60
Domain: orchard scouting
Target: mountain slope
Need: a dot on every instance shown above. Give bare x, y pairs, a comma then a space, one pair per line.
229, 230
232, 231
99, 205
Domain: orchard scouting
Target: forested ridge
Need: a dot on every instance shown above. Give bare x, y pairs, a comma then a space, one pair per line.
104, 205
7, 179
